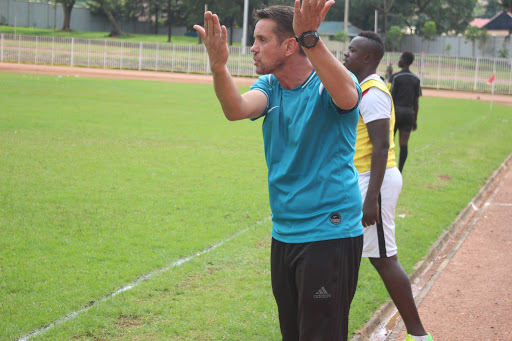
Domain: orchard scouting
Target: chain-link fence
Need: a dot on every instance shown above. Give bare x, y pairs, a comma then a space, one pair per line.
435, 71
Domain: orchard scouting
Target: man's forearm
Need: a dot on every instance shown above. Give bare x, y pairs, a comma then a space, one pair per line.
228, 94
334, 76
378, 169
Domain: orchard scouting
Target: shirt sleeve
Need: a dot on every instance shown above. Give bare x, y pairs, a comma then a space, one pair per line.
375, 105
359, 93
263, 84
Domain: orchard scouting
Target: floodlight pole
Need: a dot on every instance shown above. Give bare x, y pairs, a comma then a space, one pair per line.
244, 30
345, 19
376, 21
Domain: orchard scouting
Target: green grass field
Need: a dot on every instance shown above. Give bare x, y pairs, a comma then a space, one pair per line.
104, 181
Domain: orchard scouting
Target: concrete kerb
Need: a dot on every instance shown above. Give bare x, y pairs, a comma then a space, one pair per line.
381, 317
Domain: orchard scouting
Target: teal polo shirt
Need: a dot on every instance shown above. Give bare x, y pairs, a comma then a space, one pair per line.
309, 148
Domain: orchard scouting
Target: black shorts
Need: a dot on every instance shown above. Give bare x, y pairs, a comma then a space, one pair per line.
314, 284
404, 118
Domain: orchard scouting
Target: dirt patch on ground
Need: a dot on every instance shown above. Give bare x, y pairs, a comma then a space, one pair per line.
444, 177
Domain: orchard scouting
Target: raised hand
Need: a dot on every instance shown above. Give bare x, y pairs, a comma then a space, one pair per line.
215, 39
310, 15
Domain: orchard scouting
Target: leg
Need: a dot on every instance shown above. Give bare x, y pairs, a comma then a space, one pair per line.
284, 289
326, 276
399, 288
404, 141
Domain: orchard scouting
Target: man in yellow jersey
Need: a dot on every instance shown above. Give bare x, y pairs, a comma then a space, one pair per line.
380, 180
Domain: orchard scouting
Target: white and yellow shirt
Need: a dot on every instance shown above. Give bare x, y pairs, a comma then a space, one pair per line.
376, 103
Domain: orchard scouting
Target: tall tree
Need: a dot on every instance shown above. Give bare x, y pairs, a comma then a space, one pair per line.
230, 13
67, 6
385, 8
449, 15
506, 5
109, 8
475, 34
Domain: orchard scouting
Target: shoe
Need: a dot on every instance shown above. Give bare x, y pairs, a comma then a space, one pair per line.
409, 338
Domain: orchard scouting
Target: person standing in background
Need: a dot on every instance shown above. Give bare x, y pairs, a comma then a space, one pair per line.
380, 181
405, 89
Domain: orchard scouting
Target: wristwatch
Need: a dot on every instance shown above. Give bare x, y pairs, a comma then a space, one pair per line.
308, 39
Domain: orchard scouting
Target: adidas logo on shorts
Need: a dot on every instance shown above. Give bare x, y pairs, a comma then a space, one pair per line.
322, 293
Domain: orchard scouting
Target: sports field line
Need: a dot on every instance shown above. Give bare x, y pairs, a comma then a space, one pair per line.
449, 134
142, 278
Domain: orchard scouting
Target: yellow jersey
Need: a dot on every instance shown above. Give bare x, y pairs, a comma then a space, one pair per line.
364, 146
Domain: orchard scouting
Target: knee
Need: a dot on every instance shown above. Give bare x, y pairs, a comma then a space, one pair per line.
381, 264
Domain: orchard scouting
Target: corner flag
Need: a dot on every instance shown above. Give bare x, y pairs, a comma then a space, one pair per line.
491, 80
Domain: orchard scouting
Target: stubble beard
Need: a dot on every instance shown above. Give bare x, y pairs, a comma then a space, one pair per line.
264, 69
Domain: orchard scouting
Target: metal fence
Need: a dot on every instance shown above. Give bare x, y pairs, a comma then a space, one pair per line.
435, 71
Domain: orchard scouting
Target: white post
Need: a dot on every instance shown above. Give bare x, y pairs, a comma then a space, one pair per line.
53, 49
476, 74
438, 71
189, 53
456, 73
244, 30
345, 19
72, 48
2, 48
510, 82
240, 59
172, 59
121, 62
375, 25
422, 65
88, 52
207, 60
156, 62
19, 47
493, 82
105, 54
140, 56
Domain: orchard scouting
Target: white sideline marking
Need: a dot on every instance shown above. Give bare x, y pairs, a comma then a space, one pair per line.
137, 282
498, 204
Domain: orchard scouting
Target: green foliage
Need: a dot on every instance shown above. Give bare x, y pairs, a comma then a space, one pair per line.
429, 31
447, 14
476, 34
119, 9
341, 36
472, 33
506, 5
503, 52
393, 38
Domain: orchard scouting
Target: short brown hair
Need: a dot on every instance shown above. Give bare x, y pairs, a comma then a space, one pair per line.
282, 15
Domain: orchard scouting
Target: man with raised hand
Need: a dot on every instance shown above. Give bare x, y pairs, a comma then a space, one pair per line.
308, 101
379, 179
